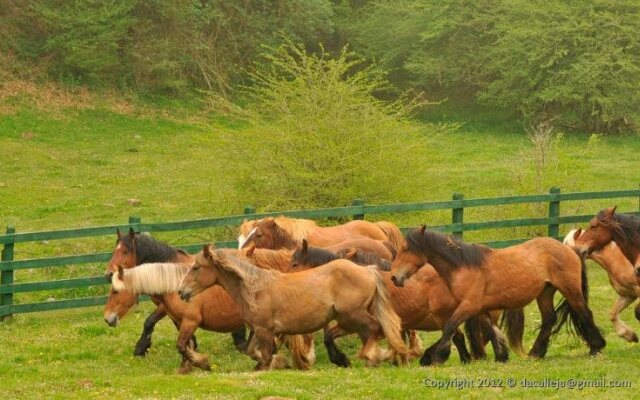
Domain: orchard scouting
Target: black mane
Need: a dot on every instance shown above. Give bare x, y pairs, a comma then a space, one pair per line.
452, 250
312, 257
150, 250
624, 229
366, 258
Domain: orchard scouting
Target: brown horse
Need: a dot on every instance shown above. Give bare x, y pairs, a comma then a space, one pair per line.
609, 226
135, 249
622, 279
424, 303
483, 279
303, 302
283, 232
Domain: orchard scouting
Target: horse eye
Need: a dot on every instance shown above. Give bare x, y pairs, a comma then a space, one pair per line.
114, 291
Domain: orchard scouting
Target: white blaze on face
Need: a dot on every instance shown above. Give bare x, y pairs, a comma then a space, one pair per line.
242, 239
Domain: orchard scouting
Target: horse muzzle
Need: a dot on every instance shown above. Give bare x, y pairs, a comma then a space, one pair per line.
111, 320
184, 295
398, 281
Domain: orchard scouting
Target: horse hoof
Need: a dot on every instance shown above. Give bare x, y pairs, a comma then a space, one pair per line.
141, 350
184, 370
634, 338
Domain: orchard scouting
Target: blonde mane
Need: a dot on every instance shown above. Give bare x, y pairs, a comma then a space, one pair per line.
253, 279
151, 278
279, 260
297, 228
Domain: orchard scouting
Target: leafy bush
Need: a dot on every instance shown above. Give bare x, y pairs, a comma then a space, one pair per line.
316, 136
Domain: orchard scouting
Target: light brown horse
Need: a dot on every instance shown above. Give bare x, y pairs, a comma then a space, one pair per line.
622, 279
483, 279
425, 303
303, 302
283, 232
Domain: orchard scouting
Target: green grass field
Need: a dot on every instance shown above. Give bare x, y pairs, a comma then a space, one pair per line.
76, 166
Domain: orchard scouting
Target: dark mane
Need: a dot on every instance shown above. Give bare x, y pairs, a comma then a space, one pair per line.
312, 257
361, 257
150, 250
624, 228
453, 251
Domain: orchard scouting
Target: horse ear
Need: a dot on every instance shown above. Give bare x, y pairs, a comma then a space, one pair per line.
205, 251
120, 273
132, 233
351, 253
248, 252
305, 245
577, 234
423, 228
119, 234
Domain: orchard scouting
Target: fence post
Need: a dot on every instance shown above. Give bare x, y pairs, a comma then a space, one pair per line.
6, 276
457, 216
134, 222
359, 203
249, 210
554, 212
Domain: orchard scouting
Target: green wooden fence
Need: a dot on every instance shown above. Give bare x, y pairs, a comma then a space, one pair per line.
358, 210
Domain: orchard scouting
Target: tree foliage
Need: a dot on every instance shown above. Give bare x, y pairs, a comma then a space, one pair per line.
316, 136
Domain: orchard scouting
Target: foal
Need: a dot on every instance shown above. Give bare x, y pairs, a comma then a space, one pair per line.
274, 303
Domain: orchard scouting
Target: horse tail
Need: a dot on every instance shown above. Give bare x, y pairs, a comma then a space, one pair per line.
474, 330
512, 323
386, 315
393, 234
565, 312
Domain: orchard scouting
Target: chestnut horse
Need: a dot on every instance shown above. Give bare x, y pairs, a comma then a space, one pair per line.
609, 226
135, 249
303, 302
283, 232
424, 303
483, 279
622, 279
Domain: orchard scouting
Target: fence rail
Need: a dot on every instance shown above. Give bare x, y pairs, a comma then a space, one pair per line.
357, 210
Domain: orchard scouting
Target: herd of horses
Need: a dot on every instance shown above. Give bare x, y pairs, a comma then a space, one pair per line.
290, 278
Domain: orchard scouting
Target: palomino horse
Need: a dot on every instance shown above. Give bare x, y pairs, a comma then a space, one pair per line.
303, 302
424, 303
622, 279
608, 226
283, 232
483, 279
132, 250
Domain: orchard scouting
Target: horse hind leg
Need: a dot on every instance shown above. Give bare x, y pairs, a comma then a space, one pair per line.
239, 337
575, 307
622, 329
549, 319
458, 340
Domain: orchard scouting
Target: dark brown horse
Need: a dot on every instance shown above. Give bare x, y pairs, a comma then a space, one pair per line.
483, 279
424, 303
135, 249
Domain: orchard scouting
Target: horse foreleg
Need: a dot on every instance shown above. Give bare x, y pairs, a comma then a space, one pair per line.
144, 343
187, 327
264, 348
336, 356
465, 310
458, 340
240, 341
622, 329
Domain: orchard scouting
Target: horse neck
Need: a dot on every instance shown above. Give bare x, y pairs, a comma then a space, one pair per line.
279, 260
155, 278
242, 289
612, 260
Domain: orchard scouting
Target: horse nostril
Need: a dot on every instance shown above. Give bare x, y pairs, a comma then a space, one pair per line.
108, 276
